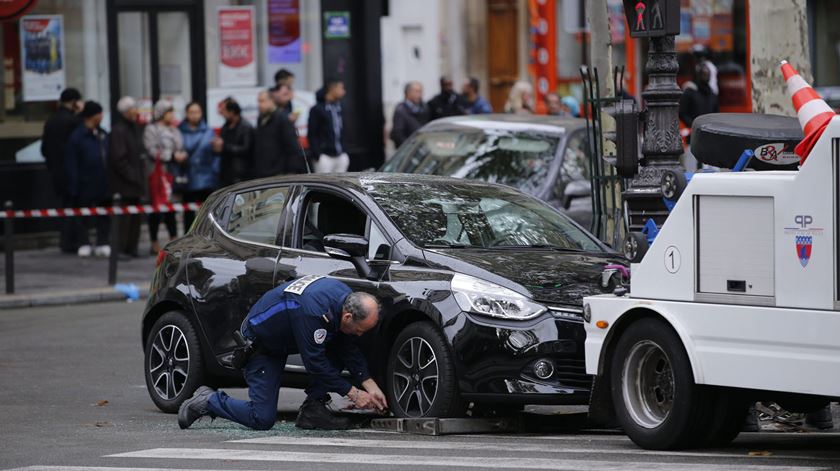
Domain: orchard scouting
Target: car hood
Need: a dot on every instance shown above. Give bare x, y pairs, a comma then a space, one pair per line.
546, 275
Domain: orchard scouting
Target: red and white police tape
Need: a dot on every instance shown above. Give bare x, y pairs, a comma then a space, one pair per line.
99, 211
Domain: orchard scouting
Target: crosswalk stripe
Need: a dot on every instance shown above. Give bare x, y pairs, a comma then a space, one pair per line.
491, 446
448, 461
98, 468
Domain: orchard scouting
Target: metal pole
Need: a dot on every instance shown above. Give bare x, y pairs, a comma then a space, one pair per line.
9, 246
115, 241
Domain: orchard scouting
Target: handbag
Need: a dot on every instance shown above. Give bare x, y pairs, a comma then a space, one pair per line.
160, 184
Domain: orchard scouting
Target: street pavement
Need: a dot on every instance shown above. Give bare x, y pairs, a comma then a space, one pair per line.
72, 397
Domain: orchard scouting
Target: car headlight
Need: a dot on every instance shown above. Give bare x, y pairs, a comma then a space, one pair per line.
490, 299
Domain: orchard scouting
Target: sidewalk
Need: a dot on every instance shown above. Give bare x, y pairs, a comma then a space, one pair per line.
49, 277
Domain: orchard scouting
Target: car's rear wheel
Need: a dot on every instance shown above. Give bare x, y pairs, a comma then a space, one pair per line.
656, 400
421, 374
173, 364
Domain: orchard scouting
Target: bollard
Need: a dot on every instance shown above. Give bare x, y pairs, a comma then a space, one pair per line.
115, 241
9, 247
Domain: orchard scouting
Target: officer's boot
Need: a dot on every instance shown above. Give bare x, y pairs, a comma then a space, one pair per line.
195, 407
314, 414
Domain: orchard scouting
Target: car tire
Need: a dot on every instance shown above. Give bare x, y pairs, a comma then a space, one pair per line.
656, 400
421, 378
173, 363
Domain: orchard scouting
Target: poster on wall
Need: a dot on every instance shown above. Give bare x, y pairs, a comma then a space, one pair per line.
237, 61
42, 57
284, 41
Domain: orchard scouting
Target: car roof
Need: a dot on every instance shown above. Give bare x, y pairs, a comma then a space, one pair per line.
357, 180
508, 122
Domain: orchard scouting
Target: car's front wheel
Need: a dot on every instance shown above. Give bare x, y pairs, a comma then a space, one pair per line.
421, 374
173, 365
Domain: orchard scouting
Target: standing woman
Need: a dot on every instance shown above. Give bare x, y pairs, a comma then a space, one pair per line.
163, 141
520, 99
202, 163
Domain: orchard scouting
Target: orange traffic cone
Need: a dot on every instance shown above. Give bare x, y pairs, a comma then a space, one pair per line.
814, 113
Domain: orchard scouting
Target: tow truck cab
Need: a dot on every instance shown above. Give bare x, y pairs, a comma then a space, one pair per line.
736, 301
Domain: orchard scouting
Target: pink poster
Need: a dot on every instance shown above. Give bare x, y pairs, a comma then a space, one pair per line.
284, 41
237, 64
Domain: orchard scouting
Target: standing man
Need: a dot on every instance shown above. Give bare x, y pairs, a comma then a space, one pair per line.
276, 149
317, 317
235, 145
87, 179
286, 77
126, 171
473, 102
326, 130
410, 115
446, 103
57, 132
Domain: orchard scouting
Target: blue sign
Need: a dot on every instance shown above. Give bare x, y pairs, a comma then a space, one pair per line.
337, 25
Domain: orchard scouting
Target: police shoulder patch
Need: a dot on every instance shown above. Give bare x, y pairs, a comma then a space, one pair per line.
298, 286
320, 335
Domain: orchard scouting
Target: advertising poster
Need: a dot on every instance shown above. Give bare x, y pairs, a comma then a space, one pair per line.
284, 41
42, 57
237, 61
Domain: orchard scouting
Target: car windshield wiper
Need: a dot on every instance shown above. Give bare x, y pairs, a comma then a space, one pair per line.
450, 245
538, 246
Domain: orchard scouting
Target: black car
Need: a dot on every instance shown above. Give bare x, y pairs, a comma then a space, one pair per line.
480, 285
544, 156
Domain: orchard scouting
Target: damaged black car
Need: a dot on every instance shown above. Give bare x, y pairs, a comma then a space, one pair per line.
480, 286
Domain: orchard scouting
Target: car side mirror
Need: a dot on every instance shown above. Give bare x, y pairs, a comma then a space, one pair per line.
575, 189
349, 247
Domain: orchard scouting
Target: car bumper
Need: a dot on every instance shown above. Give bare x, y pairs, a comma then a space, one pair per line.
495, 360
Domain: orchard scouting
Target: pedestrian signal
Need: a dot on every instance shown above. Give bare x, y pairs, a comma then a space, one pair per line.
652, 18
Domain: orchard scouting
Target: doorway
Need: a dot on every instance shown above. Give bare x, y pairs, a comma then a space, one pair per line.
503, 51
156, 50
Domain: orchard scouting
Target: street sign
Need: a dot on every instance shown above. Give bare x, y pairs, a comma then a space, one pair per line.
652, 18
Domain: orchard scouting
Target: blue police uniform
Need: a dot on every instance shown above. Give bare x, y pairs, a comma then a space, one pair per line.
285, 321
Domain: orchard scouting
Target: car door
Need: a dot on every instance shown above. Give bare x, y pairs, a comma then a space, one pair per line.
317, 211
572, 191
231, 270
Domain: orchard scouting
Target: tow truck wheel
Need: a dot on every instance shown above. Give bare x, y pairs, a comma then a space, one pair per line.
729, 414
635, 246
672, 184
656, 400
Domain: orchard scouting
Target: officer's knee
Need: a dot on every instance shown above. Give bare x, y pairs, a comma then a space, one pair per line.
264, 419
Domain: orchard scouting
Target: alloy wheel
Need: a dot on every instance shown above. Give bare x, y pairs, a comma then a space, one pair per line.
169, 362
415, 377
647, 384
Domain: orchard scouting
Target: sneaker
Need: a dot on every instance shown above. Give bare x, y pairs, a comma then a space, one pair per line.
84, 251
102, 251
314, 415
195, 407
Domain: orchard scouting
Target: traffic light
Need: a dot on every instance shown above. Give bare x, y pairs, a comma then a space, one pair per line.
652, 18
625, 137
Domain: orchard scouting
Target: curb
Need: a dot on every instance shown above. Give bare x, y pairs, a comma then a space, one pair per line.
59, 298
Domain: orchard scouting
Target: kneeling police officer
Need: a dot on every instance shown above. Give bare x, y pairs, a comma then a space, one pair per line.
317, 317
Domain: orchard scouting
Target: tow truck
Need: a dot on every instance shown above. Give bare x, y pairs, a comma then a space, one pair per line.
735, 301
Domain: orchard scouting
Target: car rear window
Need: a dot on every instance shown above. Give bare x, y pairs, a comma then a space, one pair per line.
255, 215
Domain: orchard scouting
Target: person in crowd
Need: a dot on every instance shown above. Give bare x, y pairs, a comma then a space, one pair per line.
410, 115
446, 103
326, 129
286, 77
235, 144
57, 132
702, 55
555, 105
202, 163
87, 179
520, 99
698, 98
473, 103
572, 105
126, 171
163, 141
276, 150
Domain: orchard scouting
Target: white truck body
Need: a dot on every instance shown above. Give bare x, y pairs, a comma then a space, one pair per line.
746, 271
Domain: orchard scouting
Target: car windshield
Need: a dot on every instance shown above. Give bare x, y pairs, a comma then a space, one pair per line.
453, 215
521, 160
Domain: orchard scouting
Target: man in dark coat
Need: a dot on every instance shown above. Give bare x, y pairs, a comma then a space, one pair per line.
410, 115
698, 98
87, 179
276, 149
326, 130
57, 132
126, 171
236, 144
446, 103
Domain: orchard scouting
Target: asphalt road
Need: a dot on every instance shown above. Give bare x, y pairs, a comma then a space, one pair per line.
59, 365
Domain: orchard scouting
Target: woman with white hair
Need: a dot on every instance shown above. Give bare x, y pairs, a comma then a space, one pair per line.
126, 171
520, 99
165, 144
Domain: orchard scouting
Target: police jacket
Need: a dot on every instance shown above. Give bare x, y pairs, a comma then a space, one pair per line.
284, 322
